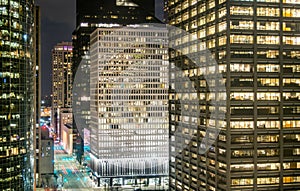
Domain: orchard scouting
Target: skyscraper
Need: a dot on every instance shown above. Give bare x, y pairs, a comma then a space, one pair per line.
61, 80
89, 16
95, 14
129, 103
255, 45
17, 115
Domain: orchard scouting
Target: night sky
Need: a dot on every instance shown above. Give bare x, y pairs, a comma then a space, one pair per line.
58, 23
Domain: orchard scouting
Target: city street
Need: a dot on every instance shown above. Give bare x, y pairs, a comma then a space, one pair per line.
74, 177
71, 175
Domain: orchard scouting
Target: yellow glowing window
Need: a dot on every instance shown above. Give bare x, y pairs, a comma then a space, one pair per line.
237, 10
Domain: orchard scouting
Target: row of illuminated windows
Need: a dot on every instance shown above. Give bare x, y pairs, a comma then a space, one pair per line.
261, 54
264, 11
237, 67
120, 88
250, 167
143, 110
6, 152
12, 138
122, 39
248, 25
265, 138
248, 39
265, 124
288, 96
14, 45
260, 67
260, 124
261, 11
122, 119
265, 180
264, 25
235, 10
14, 24
265, 82
5, 34
240, 96
260, 138
264, 153
248, 67
4, 11
124, 34
15, 54
241, 124
270, 110
260, 152
9, 117
184, 5
9, 74
109, 76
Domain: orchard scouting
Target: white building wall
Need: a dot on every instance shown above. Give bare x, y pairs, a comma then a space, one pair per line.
129, 100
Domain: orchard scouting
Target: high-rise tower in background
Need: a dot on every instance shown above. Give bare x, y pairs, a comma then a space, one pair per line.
89, 16
94, 14
256, 47
61, 80
17, 101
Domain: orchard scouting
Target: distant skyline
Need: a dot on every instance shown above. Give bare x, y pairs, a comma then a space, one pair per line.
58, 23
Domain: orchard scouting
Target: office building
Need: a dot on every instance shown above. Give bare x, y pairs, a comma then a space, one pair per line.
89, 16
94, 14
17, 100
255, 45
61, 80
129, 103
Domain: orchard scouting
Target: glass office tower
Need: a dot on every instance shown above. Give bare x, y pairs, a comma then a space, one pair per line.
256, 47
17, 115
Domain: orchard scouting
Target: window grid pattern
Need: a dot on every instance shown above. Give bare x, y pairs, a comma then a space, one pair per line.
260, 62
17, 117
129, 102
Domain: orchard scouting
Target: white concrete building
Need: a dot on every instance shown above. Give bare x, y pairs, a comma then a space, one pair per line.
129, 101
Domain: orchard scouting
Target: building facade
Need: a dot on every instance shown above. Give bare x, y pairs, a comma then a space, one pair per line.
89, 16
17, 115
94, 14
255, 45
129, 103
61, 80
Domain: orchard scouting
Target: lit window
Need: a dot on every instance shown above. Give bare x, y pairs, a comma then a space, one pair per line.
242, 181
237, 10
287, 12
244, 39
268, 39
268, 180
266, 11
241, 24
